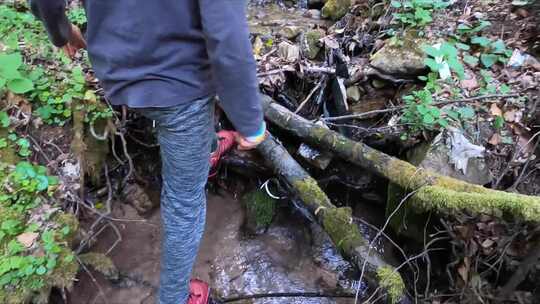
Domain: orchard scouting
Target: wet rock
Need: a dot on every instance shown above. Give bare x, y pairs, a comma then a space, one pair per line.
317, 158
354, 94
335, 9
100, 263
290, 32
311, 45
288, 51
442, 156
404, 58
136, 196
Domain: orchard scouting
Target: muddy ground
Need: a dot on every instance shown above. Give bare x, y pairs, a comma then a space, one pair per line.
281, 260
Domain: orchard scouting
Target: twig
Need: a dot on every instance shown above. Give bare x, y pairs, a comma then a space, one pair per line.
509, 164
520, 177
319, 84
439, 103
377, 236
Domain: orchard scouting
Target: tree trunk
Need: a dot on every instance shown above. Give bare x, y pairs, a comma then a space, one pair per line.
432, 191
337, 222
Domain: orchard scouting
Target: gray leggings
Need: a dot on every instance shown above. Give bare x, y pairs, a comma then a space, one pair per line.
185, 133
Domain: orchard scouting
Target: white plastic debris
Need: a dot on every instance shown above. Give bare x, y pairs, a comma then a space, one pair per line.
520, 59
461, 149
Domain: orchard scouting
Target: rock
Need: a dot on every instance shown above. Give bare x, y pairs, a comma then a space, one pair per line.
290, 32
404, 58
313, 13
335, 9
319, 159
367, 105
101, 263
136, 196
448, 154
288, 51
353, 93
311, 44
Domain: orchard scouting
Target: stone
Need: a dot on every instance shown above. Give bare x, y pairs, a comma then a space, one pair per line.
404, 58
367, 105
290, 31
313, 14
353, 93
311, 44
288, 51
335, 9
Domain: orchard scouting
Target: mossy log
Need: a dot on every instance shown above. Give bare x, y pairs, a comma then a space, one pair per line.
432, 190
337, 222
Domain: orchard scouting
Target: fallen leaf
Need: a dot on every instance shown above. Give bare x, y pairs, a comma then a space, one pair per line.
495, 110
487, 243
510, 116
495, 139
27, 239
470, 84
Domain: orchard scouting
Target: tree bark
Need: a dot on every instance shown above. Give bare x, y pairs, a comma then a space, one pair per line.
337, 222
432, 191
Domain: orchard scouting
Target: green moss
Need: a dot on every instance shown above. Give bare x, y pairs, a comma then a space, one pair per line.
488, 202
261, 207
392, 282
312, 43
311, 194
335, 9
101, 263
337, 222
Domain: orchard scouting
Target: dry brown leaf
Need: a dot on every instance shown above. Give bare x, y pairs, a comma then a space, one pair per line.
495, 139
27, 239
495, 110
510, 116
470, 84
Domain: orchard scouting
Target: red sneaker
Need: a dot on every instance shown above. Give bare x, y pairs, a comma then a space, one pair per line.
226, 140
199, 292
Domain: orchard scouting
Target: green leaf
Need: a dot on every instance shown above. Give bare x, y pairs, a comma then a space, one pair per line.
41, 270
470, 60
488, 59
504, 89
466, 112
432, 64
395, 4
428, 119
457, 67
498, 47
4, 119
431, 51
463, 46
45, 112
498, 123
482, 41
9, 64
20, 85
3, 143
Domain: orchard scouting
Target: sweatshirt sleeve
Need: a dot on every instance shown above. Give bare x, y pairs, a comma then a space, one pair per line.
225, 26
53, 15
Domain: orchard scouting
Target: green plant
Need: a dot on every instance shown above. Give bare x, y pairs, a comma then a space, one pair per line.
77, 16
420, 114
492, 51
11, 75
443, 59
417, 12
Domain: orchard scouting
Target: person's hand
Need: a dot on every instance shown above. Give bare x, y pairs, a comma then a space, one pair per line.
76, 42
244, 144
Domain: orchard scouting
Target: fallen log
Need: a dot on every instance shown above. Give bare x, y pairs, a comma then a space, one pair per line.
337, 222
432, 191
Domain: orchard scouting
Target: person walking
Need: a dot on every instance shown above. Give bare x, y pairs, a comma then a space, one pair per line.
168, 59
